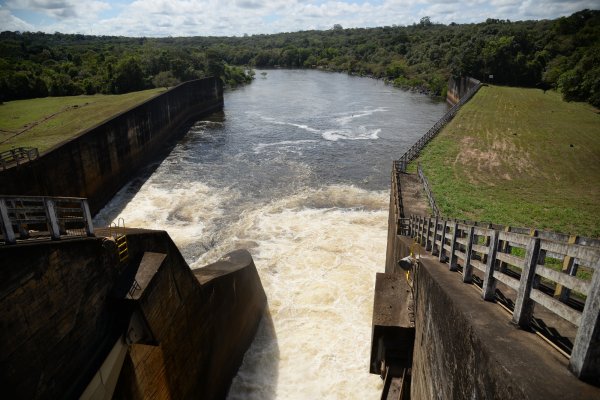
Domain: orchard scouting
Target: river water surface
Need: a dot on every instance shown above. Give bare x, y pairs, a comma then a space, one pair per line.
296, 170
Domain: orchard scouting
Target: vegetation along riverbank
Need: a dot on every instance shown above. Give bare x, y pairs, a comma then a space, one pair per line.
562, 53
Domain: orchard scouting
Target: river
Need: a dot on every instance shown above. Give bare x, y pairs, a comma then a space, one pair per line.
296, 170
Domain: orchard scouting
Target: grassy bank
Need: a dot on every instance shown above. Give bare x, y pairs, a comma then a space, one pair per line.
45, 122
519, 157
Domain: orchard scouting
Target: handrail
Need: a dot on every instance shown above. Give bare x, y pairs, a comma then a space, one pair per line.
402, 222
17, 156
488, 249
428, 192
416, 148
41, 217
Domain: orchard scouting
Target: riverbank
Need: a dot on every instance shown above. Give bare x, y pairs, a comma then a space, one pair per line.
519, 157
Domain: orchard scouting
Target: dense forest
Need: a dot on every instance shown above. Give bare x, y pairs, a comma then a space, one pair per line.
563, 54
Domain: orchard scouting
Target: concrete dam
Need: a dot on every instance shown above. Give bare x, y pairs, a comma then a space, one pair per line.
116, 312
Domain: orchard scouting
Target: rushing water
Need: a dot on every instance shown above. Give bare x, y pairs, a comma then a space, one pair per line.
296, 170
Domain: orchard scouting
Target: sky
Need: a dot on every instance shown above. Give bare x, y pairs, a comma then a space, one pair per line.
161, 18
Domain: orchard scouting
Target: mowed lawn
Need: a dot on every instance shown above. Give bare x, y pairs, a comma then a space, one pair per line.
45, 122
519, 157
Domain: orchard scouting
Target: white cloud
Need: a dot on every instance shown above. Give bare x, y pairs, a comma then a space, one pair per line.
236, 17
9, 22
60, 9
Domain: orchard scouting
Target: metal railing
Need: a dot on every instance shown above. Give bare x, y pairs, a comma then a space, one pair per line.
402, 222
491, 250
32, 217
416, 148
434, 208
17, 156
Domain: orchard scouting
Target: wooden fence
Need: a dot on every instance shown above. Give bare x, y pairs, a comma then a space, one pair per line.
415, 149
517, 259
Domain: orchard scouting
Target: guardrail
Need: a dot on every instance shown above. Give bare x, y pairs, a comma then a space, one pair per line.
491, 250
434, 208
32, 217
402, 222
416, 148
17, 156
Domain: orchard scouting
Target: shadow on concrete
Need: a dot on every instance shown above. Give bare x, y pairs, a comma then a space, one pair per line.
259, 372
556, 330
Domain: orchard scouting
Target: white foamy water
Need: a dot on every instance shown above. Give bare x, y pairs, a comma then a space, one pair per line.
360, 133
296, 170
318, 267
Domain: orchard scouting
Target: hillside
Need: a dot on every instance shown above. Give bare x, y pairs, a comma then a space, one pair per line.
519, 157
45, 122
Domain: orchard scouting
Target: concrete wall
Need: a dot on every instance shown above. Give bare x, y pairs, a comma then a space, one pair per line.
96, 163
64, 304
458, 87
466, 349
203, 321
55, 315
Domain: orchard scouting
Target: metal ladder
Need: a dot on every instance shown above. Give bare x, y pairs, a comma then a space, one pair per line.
120, 239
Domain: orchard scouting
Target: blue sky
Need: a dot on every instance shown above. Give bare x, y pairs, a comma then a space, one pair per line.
239, 17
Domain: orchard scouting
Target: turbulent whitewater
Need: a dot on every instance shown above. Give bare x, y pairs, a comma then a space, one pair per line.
296, 170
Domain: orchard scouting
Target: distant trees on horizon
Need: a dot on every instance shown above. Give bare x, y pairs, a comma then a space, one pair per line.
563, 54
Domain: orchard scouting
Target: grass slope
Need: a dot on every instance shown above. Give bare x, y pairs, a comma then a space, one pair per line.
519, 157
45, 122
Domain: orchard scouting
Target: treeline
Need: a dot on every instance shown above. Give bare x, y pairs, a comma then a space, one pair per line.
563, 54
40, 65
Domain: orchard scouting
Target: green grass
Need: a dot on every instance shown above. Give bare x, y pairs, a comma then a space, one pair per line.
45, 122
519, 157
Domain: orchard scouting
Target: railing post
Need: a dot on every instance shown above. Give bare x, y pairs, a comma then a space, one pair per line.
489, 282
87, 216
434, 248
442, 257
416, 231
52, 219
427, 232
569, 267
452, 257
505, 249
585, 357
5, 224
523, 304
468, 268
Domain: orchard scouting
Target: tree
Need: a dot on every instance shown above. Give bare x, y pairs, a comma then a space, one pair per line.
425, 21
215, 65
128, 76
165, 79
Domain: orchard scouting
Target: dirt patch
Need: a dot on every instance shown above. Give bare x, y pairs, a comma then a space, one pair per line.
499, 157
414, 198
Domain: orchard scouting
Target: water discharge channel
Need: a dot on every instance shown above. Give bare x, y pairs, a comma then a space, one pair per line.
296, 170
